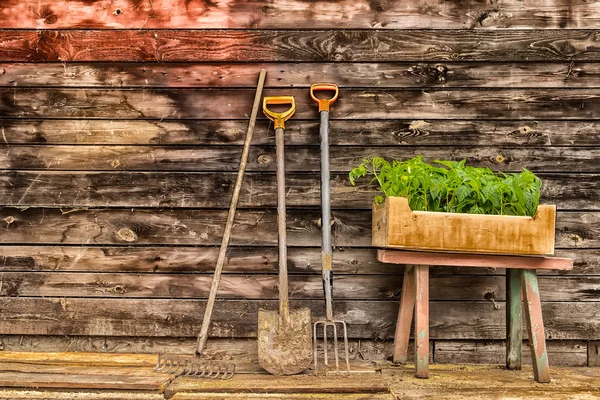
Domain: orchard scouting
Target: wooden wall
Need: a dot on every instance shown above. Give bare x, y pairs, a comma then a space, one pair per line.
121, 127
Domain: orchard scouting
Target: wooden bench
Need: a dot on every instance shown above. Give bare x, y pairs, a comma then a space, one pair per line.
521, 283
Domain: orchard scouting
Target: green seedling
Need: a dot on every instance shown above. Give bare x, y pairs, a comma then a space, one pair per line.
452, 186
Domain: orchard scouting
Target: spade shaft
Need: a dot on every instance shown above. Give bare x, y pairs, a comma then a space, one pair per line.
284, 337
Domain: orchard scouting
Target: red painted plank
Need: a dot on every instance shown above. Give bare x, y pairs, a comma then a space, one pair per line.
364, 14
405, 316
296, 46
473, 260
535, 326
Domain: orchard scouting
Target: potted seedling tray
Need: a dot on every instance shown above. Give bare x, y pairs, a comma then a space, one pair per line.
450, 207
395, 225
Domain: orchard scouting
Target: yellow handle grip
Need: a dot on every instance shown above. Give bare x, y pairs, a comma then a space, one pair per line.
281, 117
329, 87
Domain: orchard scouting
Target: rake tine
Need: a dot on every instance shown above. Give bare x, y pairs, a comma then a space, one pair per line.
325, 343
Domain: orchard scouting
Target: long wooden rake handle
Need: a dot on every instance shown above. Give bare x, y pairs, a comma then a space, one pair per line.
203, 336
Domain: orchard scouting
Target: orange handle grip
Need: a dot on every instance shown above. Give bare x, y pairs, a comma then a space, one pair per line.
279, 117
324, 104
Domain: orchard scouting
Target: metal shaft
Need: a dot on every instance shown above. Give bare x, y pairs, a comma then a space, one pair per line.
281, 227
326, 252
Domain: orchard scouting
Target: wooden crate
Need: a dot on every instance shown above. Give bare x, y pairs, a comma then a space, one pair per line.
395, 225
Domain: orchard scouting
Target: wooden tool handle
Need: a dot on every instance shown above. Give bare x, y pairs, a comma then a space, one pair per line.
203, 336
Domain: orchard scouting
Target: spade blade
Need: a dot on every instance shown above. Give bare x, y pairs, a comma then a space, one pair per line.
285, 346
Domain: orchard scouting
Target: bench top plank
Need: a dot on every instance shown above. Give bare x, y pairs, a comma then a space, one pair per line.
473, 260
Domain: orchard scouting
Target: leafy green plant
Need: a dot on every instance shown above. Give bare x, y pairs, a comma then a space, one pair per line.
452, 186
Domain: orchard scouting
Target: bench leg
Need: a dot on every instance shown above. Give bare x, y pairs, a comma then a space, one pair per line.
514, 318
422, 321
405, 316
535, 326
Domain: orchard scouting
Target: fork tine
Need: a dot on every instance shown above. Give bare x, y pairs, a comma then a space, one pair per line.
335, 348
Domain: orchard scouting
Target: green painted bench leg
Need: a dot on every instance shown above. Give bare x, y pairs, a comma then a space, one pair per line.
514, 318
422, 321
535, 326
405, 316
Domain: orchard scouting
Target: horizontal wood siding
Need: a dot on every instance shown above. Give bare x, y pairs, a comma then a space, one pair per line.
122, 124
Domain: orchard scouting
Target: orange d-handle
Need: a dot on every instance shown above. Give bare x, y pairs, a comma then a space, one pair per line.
328, 87
279, 117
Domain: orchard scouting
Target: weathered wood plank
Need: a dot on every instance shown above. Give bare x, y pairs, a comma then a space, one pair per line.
65, 394
367, 383
212, 190
525, 104
204, 227
258, 286
239, 260
237, 318
301, 46
303, 132
295, 75
594, 354
298, 158
561, 353
90, 358
76, 380
296, 14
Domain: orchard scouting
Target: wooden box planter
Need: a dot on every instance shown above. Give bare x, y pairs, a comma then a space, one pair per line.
395, 225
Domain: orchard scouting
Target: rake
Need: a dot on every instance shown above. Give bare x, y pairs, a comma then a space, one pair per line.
195, 365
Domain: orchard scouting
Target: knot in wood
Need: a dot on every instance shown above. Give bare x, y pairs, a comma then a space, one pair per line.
127, 235
499, 159
263, 159
118, 11
9, 220
524, 129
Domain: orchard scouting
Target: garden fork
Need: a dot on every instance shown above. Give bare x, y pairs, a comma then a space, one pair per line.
326, 252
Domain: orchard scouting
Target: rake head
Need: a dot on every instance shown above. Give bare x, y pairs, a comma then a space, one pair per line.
194, 367
333, 324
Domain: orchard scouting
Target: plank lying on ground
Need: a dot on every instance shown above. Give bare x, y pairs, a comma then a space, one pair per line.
298, 158
49, 394
296, 14
256, 287
275, 396
290, 46
204, 228
239, 260
303, 132
70, 358
81, 381
461, 382
414, 104
237, 318
212, 190
560, 353
367, 383
286, 75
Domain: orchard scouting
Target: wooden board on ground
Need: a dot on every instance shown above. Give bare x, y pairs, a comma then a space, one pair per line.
66, 394
356, 383
75, 380
461, 382
275, 396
